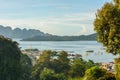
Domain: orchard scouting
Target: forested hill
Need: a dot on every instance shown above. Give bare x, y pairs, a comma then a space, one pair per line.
19, 33
91, 37
37, 35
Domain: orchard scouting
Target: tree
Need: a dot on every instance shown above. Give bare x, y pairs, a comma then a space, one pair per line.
58, 62
94, 73
77, 68
117, 68
90, 64
43, 62
107, 26
63, 65
10, 54
108, 76
26, 67
48, 74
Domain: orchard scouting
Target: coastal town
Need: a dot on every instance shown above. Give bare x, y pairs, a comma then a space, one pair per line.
34, 54
60, 40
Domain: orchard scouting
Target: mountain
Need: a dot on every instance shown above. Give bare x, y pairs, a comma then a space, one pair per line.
91, 37
20, 33
37, 35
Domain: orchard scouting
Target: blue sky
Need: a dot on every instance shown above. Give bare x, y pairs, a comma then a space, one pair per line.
60, 17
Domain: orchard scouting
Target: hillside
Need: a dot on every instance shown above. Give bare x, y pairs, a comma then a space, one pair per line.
19, 33
62, 38
37, 35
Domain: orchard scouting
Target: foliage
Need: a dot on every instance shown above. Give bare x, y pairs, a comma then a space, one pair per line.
26, 67
79, 66
108, 76
117, 68
76, 78
107, 25
48, 74
62, 66
61, 76
10, 54
43, 61
96, 73
58, 62
90, 64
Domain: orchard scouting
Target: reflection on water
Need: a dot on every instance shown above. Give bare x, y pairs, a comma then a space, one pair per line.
79, 47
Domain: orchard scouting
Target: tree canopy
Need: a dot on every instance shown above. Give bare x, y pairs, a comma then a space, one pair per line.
26, 66
58, 62
10, 54
107, 26
96, 73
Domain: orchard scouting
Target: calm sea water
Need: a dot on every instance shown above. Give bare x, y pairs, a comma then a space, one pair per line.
75, 47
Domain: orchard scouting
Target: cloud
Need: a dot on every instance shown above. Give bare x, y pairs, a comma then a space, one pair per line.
71, 24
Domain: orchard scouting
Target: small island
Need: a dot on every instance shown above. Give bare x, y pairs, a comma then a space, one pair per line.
91, 37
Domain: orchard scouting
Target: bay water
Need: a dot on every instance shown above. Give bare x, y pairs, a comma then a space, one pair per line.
97, 52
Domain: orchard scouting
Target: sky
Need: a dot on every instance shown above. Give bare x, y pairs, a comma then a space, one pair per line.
58, 17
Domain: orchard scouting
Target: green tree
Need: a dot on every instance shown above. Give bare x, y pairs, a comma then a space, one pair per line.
107, 26
48, 74
63, 63
26, 67
89, 64
117, 68
58, 62
77, 68
43, 62
108, 76
10, 54
94, 73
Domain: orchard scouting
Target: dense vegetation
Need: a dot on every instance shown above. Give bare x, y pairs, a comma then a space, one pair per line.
96, 73
62, 38
13, 64
57, 66
10, 55
26, 65
51, 65
107, 26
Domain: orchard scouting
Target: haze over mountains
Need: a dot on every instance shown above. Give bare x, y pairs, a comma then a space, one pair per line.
19, 33
37, 35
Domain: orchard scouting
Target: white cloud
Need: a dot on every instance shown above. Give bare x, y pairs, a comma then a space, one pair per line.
71, 24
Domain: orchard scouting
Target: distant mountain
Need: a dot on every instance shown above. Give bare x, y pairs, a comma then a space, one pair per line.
20, 33
91, 37
37, 35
